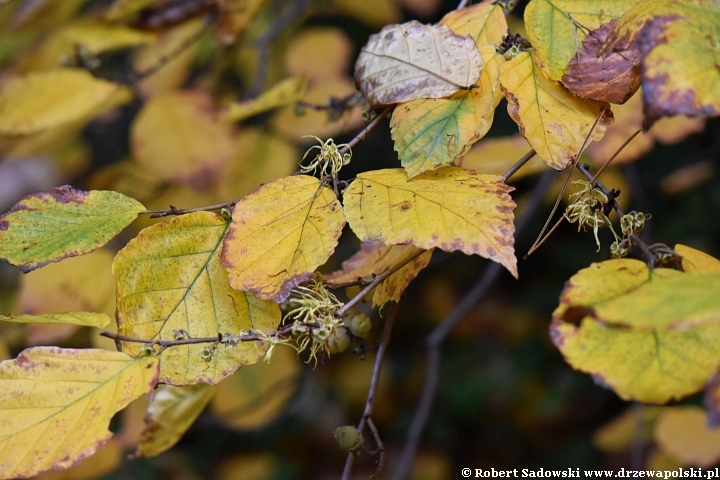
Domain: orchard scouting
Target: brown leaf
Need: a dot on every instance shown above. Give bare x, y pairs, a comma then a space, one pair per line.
411, 60
612, 77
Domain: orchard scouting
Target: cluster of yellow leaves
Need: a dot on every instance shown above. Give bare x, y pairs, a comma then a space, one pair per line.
636, 332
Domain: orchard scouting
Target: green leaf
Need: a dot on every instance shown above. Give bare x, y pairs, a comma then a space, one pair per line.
169, 278
556, 28
430, 133
85, 319
63, 222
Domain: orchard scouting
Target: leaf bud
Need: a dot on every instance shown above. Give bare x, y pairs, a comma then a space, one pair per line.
359, 324
338, 341
349, 438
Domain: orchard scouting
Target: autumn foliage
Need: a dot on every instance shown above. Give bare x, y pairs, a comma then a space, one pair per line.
224, 228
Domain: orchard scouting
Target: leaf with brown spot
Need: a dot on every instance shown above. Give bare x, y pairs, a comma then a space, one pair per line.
63, 222
375, 258
553, 121
169, 278
613, 78
449, 208
280, 234
56, 404
411, 60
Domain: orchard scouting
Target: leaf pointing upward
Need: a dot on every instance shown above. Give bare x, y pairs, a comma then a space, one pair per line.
412, 60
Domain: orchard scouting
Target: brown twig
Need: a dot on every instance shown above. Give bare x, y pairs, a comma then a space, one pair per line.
368, 128
436, 338
375, 282
518, 165
184, 211
374, 382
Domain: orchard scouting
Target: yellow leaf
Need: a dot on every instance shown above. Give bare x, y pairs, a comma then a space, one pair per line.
250, 466
64, 222
173, 73
284, 93
553, 121
260, 157
375, 258
85, 319
331, 54
177, 136
92, 38
409, 61
659, 460
47, 99
77, 284
430, 133
619, 433
556, 28
121, 9
374, 13
104, 461
169, 278
253, 397
683, 433
449, 208
234, 16
494, 156
56, 404
697, 262
292, 126
678, 72
484, 22
646, 353
280, 234
171, 412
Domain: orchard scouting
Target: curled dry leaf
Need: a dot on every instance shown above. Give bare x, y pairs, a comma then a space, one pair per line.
411, 60
612, 78
375, 258
556, 27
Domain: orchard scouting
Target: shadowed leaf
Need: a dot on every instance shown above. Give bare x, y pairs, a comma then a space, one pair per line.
449, 208
375, 258
280, 234
85, 319
63, 222
169, 278
56, 404
409, 61
683, 432
171, 412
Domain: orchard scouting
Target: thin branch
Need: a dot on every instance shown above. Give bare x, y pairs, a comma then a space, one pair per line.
567, 180
380, 447
614, 155
183, 211
636, 449
375, 282
518, 165
370, 126
437, 336
374, 382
